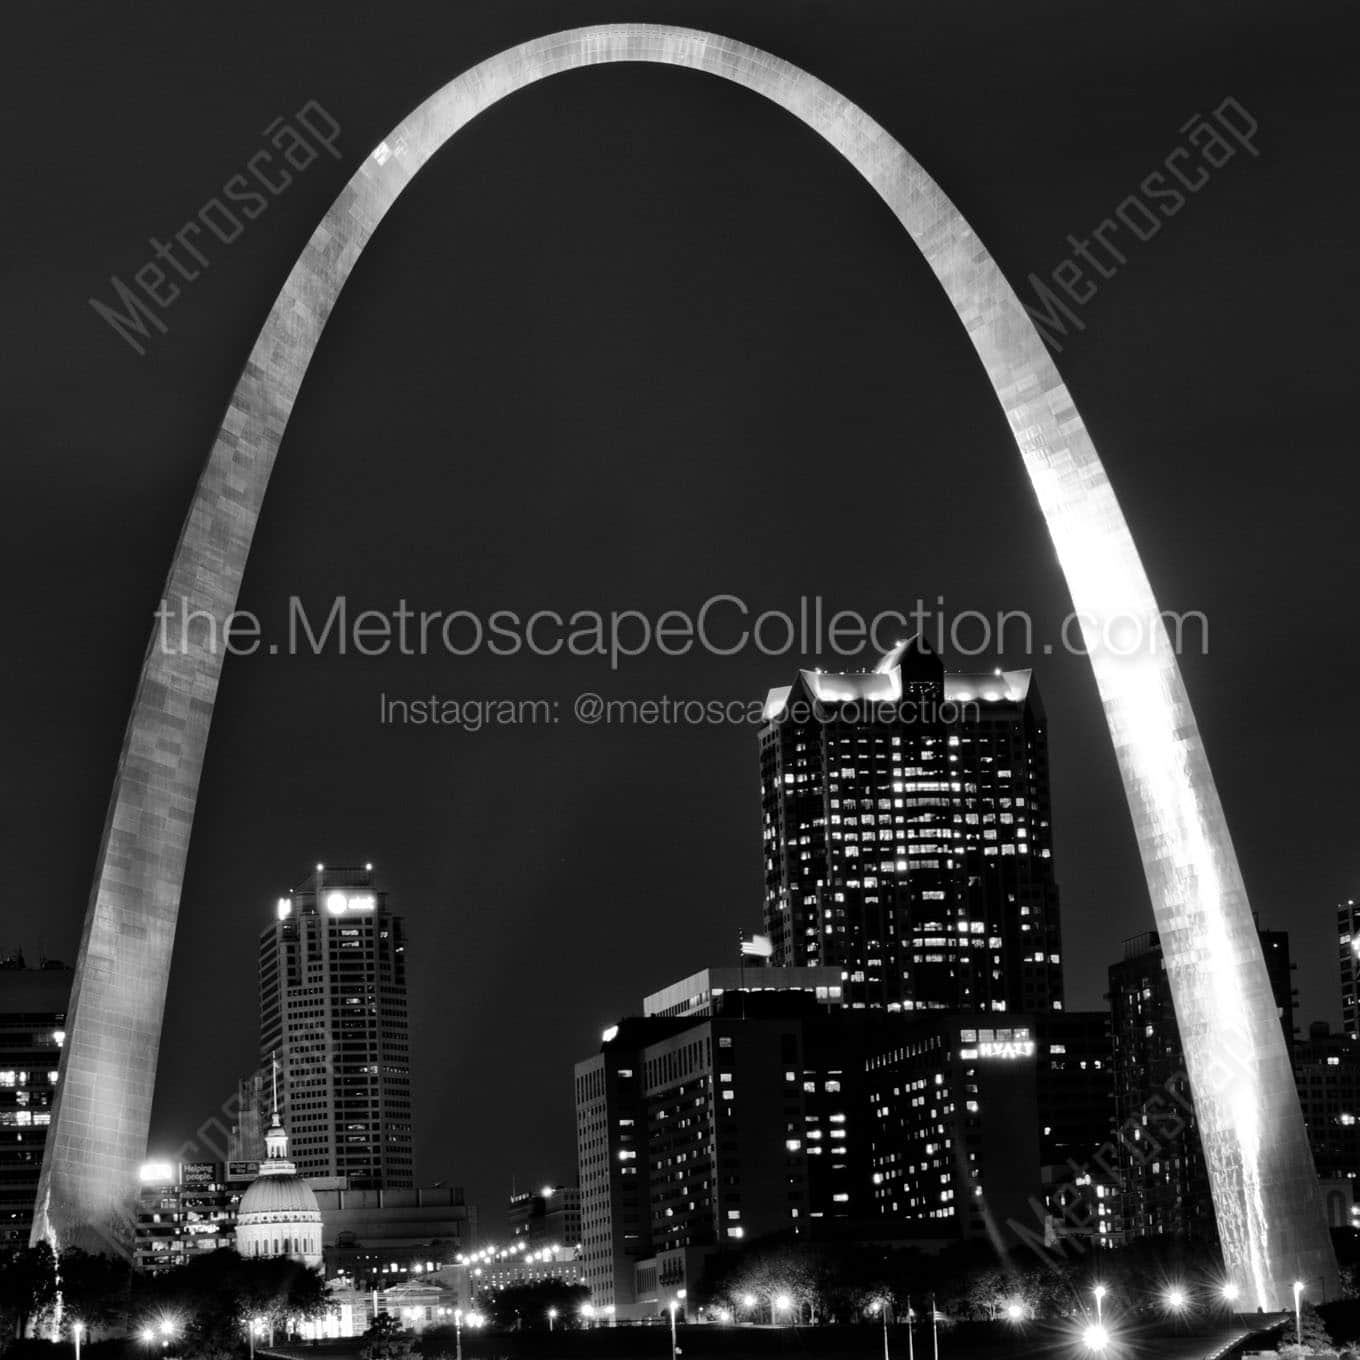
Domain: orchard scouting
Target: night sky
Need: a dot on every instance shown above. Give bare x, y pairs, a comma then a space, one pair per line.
635, 338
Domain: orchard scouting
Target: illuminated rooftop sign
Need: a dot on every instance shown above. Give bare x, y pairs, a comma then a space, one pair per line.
1006, 1049
338, 903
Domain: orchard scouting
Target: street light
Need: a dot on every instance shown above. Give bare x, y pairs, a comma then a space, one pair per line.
1175, 1298
1100, 1291
1096, 1338
880, 1306
1298, 1311
675, 1349
781, 1303
1015, 1312
1230, 1293
76, 1328
458, 1333
552, 1317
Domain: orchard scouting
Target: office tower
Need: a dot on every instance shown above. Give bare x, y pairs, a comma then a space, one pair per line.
735, 1110
1074, 1079
1327, 1072
611, 1158
699, 1132
333, 1017
955, 1141
1164, 1184
547, 1217
907, 836
245, 1139
1074, 1072
32, 1031
1348, 930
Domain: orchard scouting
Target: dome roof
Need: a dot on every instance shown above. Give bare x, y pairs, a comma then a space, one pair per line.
274, 1195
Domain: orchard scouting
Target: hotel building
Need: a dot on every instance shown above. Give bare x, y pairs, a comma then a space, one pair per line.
907, 835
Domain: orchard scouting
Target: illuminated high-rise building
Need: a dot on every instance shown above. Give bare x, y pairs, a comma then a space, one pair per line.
333, 1016
1348, 940
32, 1031
908, 838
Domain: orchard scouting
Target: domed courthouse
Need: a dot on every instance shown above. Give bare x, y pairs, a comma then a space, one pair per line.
278, 1215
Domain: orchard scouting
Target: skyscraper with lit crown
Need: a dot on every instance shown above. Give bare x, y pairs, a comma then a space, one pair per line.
333, 1013
907, 835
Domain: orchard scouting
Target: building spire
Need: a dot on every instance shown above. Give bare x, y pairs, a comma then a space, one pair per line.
276, 1136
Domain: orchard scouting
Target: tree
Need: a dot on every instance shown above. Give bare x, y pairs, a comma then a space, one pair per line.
95, 1290
385, 1340
526, 1306
28, 1282
215, 1296
1316, 1339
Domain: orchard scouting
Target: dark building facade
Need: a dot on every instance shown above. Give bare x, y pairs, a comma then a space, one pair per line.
907, 835
547, 1217
694, 1134
1348, 949
333, 1016
1327, 1073
1163, 1184
1074, 1072
773, 1113
32, 1031
955, 1147
383, 1237
612, 1160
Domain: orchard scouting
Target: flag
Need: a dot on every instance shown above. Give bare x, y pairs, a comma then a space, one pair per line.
758, 946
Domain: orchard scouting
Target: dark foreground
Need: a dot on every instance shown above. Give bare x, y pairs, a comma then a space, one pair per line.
966, 1341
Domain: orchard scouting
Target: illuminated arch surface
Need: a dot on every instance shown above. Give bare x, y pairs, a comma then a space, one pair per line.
1265, 1191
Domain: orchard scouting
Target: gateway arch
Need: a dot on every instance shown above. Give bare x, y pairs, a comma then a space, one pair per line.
1265, 1191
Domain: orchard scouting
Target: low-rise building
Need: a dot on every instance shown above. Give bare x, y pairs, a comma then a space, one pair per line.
185, 1209
377, 1238
493, 1268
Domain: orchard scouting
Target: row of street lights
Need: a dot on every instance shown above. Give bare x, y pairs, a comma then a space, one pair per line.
880, 1308
1096, 1335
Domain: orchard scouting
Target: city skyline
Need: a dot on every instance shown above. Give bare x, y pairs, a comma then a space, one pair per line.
222, 818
